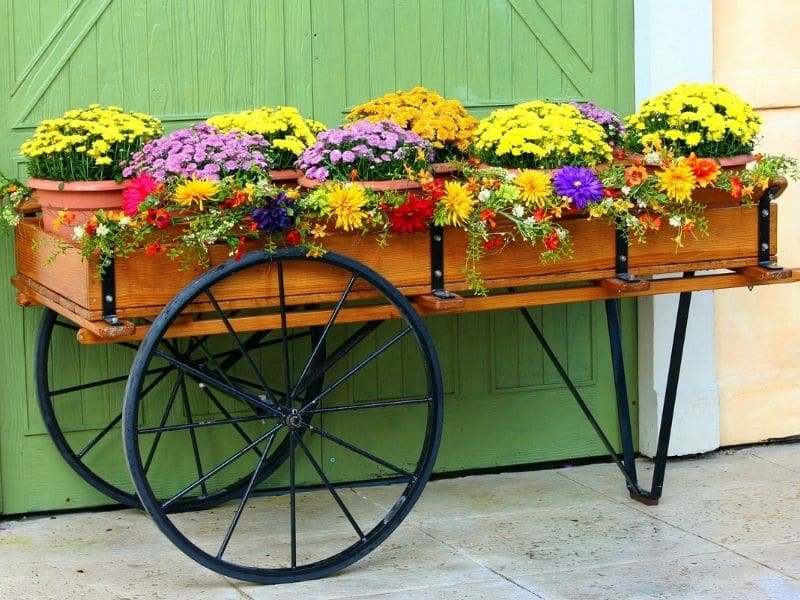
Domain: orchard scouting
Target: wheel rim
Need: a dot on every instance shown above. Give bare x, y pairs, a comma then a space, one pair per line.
311, 516
89, 438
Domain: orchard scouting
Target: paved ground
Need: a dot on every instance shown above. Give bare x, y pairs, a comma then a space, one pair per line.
727, 528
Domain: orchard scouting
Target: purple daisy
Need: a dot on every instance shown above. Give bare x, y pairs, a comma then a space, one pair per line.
579, 184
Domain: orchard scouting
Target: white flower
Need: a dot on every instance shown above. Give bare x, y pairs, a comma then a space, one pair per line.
562, 233
652, 158
102, 230
124, 221
625, 190
484, 195
675, 221
641, 204
518, 211
78, 232
530, 220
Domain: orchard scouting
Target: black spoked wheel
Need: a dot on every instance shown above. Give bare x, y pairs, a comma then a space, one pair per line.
80, 390
358, 449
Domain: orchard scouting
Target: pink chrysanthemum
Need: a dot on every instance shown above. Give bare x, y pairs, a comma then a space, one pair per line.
139, 188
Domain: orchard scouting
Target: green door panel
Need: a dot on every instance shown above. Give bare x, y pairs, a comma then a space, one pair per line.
184, 60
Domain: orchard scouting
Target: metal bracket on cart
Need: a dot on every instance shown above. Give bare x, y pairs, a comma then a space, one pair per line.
623, 281
439, 298
108, 289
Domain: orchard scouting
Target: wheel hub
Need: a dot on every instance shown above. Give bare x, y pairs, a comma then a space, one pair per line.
293, 420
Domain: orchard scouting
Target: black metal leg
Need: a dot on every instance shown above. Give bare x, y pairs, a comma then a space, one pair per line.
626, 461
621, 388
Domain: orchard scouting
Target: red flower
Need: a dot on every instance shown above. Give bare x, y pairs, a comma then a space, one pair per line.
736, 188
158, 217
495, 242
434, 189
91, 226
153, 249
487, 216
412, 215
239, 249
239, 197
292, 237
552, 241
354, 175
139, 188
612, 193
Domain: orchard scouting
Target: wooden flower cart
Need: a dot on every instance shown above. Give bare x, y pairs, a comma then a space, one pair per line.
245, 371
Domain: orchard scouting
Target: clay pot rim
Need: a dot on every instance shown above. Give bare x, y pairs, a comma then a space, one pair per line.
381, 186
75, 186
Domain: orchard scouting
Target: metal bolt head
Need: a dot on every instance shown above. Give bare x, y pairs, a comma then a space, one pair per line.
765, 246
623, 258
437, 238
438, 273
109, 298
765, 213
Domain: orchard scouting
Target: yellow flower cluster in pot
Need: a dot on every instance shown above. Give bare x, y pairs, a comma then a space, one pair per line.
704, 118
444, 123
540, 135
288, 132
87, 144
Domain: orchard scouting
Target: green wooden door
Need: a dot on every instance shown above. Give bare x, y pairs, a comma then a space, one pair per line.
186, 59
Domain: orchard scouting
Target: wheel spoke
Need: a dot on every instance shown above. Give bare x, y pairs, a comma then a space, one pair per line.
164, 416
207, 377
334, 357
99, 436
192, 433
237, 340
292, 499
323, 337
219, 467
367, 405
287, 367
357, 450
202, 424
227, 414
372, 356
331, 489
245, 497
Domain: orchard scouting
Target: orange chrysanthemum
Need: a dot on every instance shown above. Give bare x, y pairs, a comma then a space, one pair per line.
705, 169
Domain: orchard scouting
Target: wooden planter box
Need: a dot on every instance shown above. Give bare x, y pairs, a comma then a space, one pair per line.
144, 284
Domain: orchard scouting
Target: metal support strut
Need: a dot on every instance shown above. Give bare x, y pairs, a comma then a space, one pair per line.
626, 460
109, 290
437, 263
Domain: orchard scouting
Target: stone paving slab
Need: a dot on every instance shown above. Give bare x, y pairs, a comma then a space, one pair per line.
728, 528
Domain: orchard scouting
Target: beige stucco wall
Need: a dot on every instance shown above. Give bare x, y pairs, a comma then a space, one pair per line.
757, 54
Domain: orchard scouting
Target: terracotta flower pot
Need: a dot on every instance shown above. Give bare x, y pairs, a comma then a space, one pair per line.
285, 177
76, 201
378, 186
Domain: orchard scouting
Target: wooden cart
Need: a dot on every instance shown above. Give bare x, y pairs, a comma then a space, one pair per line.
248, 366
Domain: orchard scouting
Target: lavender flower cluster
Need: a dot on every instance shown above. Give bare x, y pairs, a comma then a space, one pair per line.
201, 151
607, 119
375, 151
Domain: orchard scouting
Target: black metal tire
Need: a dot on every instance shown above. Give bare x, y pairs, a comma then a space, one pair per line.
209, 538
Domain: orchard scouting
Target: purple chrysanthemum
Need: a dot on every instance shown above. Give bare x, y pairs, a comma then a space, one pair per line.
607, 119
580, 184
200, 151
275, 215
379, 150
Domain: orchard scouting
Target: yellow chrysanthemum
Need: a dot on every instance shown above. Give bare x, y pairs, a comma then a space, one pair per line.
346, 202
534, 186
678, 181
457, 203
195, 191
